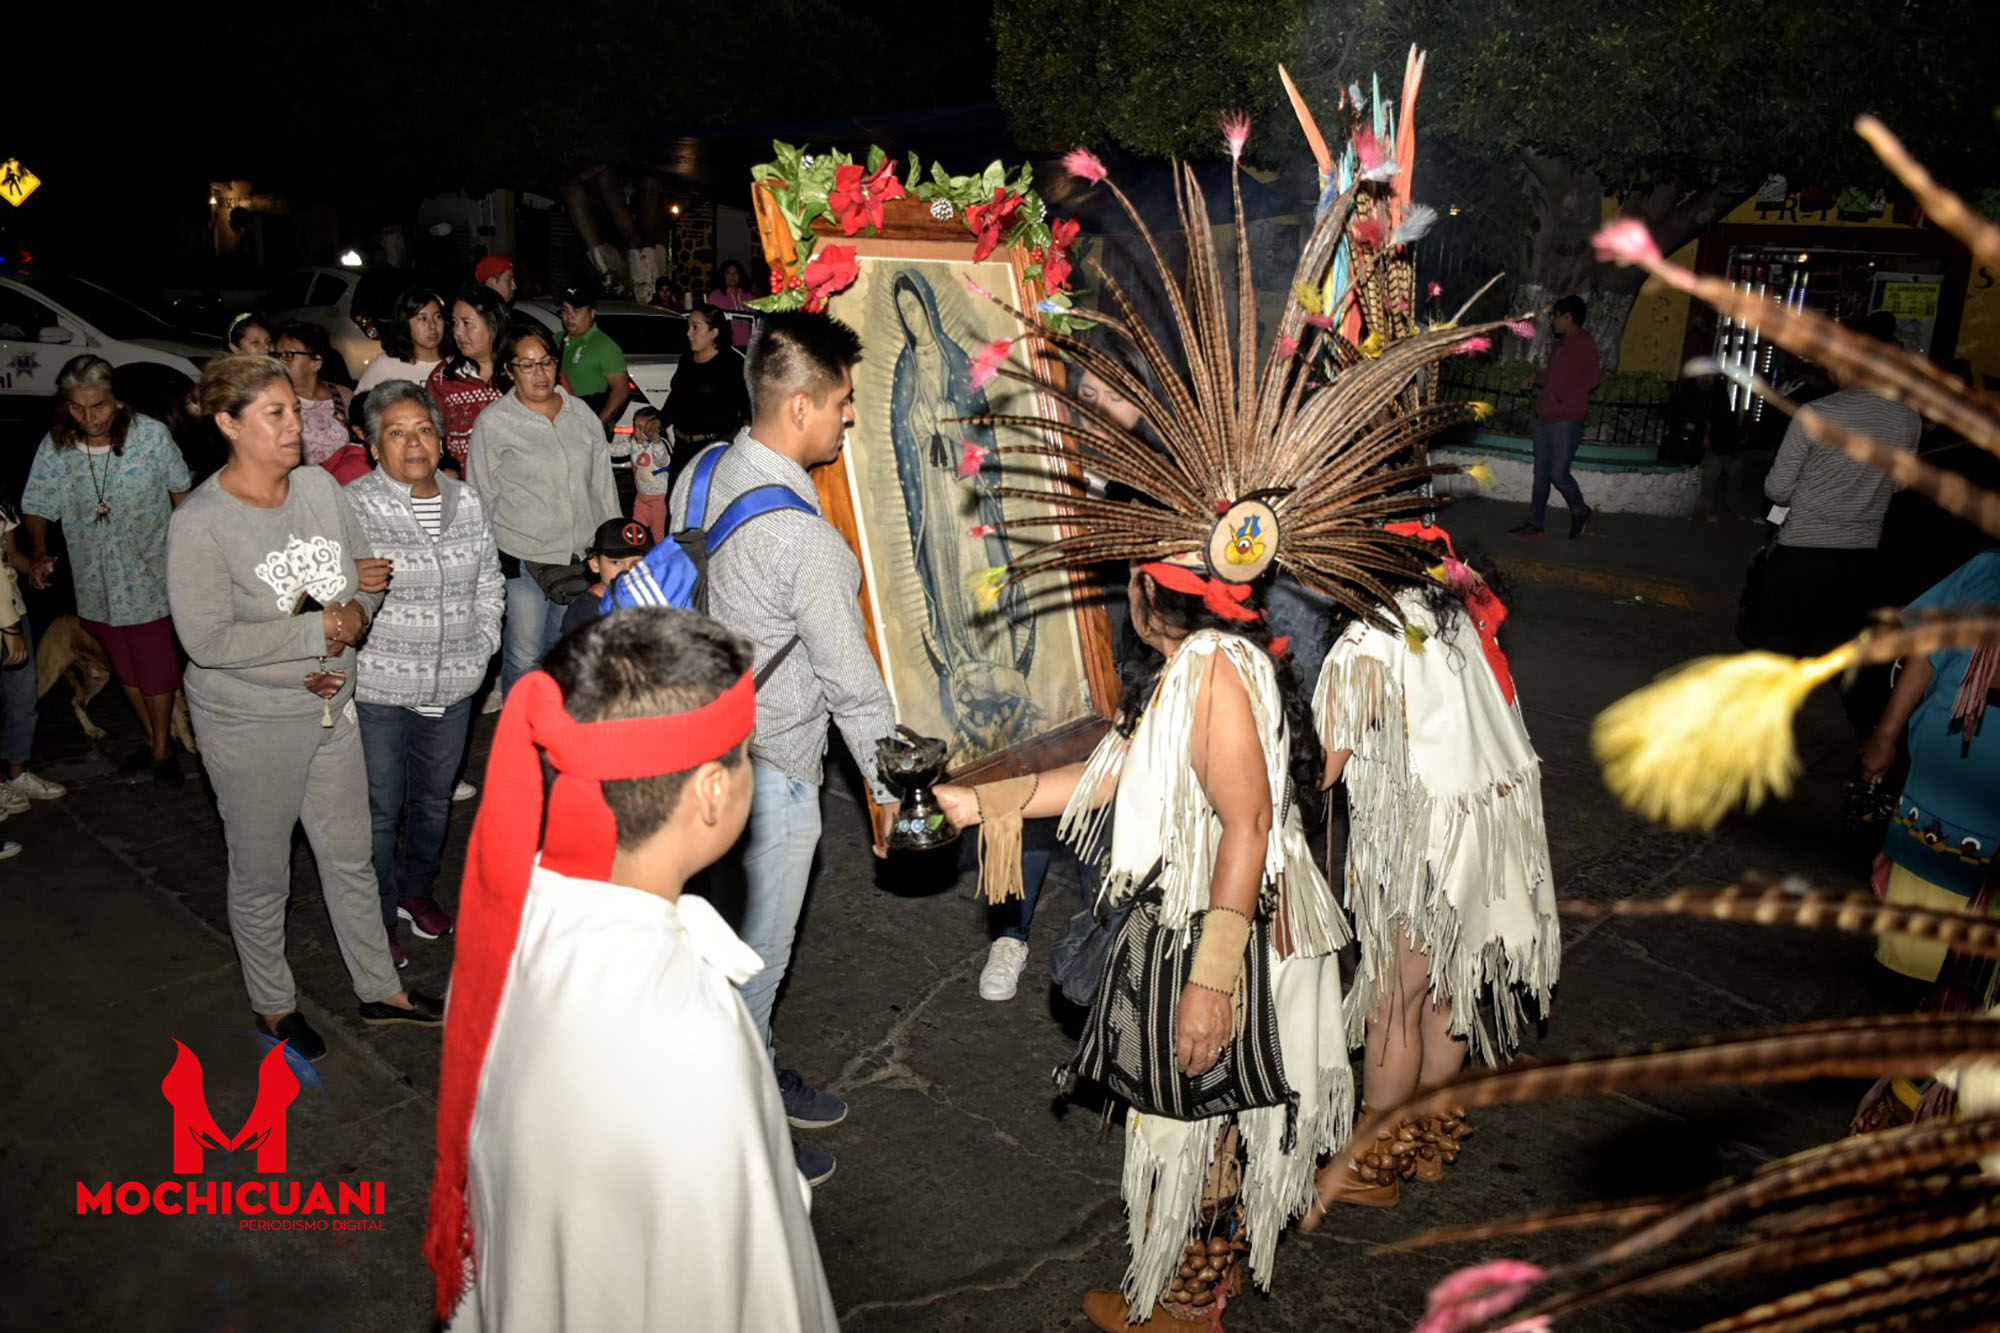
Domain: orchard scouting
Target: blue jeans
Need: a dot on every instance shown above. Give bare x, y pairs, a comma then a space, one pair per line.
1012, 920
777, 865
411, 761
1556, 443
17, 705
533, 625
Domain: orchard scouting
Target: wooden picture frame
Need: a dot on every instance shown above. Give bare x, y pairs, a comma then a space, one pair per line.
850, 488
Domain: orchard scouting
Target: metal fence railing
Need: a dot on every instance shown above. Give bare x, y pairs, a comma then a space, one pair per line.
1637, 422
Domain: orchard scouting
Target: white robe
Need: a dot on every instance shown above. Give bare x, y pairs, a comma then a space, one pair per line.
630, 1167
1445, 833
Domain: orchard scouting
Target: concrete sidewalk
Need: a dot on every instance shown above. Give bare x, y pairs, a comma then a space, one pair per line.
965, 1199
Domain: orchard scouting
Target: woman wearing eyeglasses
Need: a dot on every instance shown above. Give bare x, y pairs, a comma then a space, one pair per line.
538, 461
304, 349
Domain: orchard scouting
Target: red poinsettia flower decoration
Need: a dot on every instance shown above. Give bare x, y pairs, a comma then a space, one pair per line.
833, 269
992, 221
858, 194
1055, 263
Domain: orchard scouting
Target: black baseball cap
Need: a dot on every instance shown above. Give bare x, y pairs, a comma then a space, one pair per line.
581, 298
619, 538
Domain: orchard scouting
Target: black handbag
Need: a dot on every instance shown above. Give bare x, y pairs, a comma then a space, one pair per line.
561, 584
1128, 1039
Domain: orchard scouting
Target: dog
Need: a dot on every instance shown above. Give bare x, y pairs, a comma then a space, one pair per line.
66, 650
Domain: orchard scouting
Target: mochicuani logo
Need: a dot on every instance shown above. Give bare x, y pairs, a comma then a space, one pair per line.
195, 1133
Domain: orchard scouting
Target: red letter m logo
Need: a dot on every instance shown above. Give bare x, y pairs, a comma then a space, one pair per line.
195, 1129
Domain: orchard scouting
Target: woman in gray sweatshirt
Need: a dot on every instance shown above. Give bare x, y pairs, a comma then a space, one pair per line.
270, 586
538, 460
427, 650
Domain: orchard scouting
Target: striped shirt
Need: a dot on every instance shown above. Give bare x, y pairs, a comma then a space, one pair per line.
1835, 501
430, 513
790, 572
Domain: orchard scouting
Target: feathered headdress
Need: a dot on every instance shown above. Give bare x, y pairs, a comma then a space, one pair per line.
1294, 459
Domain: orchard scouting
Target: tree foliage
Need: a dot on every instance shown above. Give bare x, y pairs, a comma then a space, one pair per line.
1148, 75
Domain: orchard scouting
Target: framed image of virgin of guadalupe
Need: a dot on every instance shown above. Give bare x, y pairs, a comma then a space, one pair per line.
1012, 683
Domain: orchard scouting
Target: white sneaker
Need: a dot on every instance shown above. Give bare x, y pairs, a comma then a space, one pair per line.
464, 791
36, 788
8, 849
1002, 974
11, 801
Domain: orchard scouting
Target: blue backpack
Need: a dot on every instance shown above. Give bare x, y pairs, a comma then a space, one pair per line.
675, 573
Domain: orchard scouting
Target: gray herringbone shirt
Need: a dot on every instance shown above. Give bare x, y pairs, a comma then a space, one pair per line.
791, 573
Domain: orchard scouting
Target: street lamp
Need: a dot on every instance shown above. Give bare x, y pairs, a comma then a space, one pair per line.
350, 259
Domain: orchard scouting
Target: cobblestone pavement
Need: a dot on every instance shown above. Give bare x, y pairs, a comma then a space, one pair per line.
964, 1198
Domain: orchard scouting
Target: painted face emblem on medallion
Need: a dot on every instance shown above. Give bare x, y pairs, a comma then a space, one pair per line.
1243, 542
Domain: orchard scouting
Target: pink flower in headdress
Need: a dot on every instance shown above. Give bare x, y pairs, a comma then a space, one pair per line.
981, 530
1472, 1296
971, 458
1474, 346
1287, 348
1320, 321
1625, 241
1458, 574
1084, 165
1522, 328
1235, 132
1436, 289
986, 364
1373, 155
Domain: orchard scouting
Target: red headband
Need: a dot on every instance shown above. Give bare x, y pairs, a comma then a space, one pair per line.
1225, 599
581, 836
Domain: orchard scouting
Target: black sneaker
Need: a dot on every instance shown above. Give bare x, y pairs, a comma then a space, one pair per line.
423, 1012
296, 1033
806, 1107
1578, 522
167, 773
815, 1164
1525, 530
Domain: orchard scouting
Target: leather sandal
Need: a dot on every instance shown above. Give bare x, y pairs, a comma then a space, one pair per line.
1107, 1311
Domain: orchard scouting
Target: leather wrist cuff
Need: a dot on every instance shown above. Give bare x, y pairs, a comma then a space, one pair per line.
1000, 817
1218, 958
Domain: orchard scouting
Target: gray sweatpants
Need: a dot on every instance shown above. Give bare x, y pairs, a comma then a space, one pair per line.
268, 776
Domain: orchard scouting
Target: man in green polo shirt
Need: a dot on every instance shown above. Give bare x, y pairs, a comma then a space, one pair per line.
593, 367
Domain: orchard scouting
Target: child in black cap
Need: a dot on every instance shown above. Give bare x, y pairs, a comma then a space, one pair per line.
618, 544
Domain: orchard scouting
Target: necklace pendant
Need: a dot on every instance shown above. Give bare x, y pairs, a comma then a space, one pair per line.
103, 512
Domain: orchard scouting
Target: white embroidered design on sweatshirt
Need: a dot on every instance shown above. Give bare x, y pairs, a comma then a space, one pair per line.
305, 566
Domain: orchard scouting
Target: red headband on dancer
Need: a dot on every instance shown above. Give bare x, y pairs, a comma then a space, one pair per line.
581, 837
1225, 599
1487, 610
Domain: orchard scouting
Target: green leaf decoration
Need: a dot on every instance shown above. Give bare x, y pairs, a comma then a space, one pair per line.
874, 158
934, 822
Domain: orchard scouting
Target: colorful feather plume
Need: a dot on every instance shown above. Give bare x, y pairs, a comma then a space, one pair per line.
1084, 165
1416, 224
1331, 429
1709, 737
987, 361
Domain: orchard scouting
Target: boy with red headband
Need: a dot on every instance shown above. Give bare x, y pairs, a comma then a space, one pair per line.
612, 1148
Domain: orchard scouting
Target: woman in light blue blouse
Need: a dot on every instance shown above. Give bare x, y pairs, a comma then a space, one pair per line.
112, 477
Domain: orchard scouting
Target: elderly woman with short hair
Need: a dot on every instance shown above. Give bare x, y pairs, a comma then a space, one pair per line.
272, 583
427, 649
112, 477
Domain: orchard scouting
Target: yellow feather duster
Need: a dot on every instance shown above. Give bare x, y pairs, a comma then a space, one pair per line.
1308, 296
1481, 472
1372, 345
1709, 736
1481, 411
